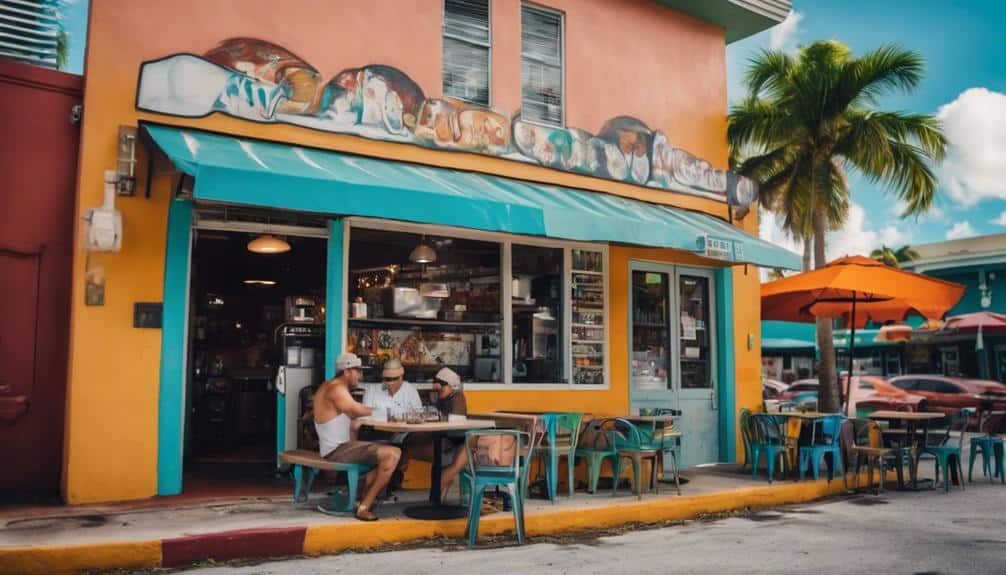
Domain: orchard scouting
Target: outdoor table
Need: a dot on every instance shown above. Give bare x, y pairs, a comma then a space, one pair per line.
438, 429
910, 419
793, 431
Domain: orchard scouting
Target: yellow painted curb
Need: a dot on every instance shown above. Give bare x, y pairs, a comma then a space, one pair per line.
70, 559
334, 538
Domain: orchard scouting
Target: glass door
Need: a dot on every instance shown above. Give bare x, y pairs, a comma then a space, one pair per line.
696, 360
650, 363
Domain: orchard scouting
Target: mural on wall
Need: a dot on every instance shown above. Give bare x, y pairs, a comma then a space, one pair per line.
260, 81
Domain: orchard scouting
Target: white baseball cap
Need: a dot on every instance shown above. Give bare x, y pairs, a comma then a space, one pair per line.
447, 375
347, 361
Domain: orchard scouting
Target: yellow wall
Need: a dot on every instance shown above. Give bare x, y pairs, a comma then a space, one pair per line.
669, 74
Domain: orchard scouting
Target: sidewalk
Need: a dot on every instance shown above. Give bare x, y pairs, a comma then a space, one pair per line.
146, 536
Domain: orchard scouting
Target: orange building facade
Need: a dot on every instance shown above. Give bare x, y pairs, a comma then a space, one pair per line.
640, 123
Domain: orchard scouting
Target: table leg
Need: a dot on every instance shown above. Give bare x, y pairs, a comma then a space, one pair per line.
436, 473
435, 509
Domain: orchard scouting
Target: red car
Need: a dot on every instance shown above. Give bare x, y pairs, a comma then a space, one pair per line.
771, 388
950, 394
873, 393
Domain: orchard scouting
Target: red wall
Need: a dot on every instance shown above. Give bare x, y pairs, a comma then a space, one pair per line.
38, 167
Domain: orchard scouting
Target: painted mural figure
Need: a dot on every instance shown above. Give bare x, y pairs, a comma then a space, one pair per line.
257, 80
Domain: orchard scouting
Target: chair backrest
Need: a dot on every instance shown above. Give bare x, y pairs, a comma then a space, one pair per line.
595, 435
960, 422
532, 425
565, 428
765, 428
745, 424
830, 427
867, 433
494, 451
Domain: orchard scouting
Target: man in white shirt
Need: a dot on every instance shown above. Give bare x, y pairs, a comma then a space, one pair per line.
395, 396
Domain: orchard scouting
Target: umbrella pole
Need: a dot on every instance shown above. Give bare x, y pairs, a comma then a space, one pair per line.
852, 353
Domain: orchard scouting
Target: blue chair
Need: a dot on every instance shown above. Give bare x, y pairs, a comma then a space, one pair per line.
594, 446
745, 425
826, 443
991, 448
506, 474
532, 425
768, 438
631, 444
949, 452
665, 439
563, 431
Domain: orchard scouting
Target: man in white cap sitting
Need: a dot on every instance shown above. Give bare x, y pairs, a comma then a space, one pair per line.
395, 395
450, 400
334, 410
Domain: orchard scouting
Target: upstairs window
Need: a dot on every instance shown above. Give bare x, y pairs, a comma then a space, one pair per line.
467, 43
541, 65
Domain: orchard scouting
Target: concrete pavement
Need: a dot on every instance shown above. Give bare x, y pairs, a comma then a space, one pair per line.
898, 532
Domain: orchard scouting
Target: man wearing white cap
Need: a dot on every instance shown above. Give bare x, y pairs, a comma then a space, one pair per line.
395, 395
450, 400
334, 410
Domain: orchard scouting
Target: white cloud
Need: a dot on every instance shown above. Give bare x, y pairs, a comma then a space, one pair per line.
1001, 220
855, 238
960, 230
770, 230
893, 237
785, 35
975, 125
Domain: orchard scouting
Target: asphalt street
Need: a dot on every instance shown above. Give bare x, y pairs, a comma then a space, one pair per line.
913, 533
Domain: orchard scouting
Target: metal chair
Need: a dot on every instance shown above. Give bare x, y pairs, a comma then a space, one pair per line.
869, 447
768, 438
506, 474
812, 455
991, 448
947, 452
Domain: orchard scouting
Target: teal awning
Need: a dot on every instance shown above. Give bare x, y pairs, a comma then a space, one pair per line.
787, 343
270, 174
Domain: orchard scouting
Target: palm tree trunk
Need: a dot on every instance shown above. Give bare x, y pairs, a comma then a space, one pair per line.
807, 249
828, 395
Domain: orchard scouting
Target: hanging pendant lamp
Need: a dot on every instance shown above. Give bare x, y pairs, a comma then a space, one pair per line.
268, 244
423, 254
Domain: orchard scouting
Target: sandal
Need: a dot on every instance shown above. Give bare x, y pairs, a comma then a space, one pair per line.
364, 514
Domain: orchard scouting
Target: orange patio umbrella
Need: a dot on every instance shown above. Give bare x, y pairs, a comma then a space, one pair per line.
857, 289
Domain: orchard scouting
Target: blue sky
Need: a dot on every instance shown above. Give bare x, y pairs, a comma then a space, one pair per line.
961, 42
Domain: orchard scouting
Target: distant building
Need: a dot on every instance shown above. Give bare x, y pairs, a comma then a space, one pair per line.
30, 31
978, 263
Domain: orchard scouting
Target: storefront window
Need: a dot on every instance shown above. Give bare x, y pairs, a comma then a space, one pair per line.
435, 300
695, 341
537, 314
429, 314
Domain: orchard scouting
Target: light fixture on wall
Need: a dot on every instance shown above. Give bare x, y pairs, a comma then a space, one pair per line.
423, 254
268, 244
254, 282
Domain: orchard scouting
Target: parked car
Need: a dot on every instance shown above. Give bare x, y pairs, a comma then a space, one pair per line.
873, 393
802, 392
950, 394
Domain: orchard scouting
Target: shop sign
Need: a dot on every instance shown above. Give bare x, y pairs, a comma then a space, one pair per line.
721, 248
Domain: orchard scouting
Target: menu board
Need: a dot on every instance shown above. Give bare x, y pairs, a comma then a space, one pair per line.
587, 326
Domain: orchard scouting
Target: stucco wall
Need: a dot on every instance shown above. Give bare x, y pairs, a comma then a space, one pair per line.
633, 57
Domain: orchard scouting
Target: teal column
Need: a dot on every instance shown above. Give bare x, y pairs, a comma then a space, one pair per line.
725, 363
334, 298
171, 399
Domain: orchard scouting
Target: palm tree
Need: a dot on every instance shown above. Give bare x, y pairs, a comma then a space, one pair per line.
892, 257
808, 119
62, 49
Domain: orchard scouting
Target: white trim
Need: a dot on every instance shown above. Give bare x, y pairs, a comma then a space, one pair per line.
257, 228
506, 242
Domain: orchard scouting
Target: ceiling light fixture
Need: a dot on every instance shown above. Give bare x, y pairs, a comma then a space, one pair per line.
260, 282
268, 244
423, 254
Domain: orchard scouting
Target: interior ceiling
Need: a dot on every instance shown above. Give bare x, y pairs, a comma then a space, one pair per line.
222, 262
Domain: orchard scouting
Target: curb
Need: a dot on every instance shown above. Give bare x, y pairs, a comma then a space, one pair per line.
335, 538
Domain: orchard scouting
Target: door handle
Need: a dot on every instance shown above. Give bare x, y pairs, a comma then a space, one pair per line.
712, 400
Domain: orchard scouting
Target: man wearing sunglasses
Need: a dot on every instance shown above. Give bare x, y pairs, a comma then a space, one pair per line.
395, 395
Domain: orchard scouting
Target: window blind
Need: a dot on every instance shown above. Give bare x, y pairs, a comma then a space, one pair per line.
467, 43
541, 65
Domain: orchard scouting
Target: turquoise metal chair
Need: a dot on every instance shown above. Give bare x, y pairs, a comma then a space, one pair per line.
507, 475
562, 433
532, 425
826, 443
309, 463
767, 437
665, 439
949, 452
745, 425
991, 448
599, 446
631, 444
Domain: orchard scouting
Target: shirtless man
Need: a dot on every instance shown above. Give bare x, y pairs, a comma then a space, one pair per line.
334, 410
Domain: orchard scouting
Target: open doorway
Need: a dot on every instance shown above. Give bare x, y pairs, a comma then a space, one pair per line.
256, 328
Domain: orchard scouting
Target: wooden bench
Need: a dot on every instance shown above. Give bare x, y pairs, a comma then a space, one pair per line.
301, 459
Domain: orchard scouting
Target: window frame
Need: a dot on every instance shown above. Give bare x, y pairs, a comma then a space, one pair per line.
489, 50
562, 62
506, 242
